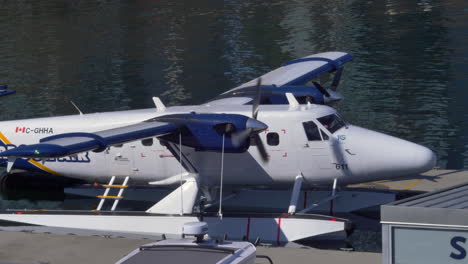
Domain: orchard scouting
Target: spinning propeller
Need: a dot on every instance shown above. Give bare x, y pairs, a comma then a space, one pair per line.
330, 95
253, 127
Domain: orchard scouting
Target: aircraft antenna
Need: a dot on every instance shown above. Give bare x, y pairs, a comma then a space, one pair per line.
220, 211
256, 101
81, 113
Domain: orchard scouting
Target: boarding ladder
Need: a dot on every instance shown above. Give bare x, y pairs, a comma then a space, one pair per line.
106, 195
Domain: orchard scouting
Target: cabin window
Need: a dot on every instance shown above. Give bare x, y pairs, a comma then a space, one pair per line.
147, 142
312, 131
118, 145
324, 135
332, 122
273, 139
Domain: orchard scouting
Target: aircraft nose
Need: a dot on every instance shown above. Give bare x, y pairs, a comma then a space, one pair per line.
424, 159
404, 157
256, 125
384, 156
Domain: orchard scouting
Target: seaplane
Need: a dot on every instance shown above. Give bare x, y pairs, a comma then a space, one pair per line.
277, 131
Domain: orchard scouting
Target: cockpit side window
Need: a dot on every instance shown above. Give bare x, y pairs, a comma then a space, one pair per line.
332, 122
312, 131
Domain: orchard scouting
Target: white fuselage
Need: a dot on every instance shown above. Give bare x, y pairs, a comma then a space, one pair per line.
351, 154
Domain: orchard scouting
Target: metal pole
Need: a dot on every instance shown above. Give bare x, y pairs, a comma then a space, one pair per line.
220, 212
334, 186
295, 194
180, 163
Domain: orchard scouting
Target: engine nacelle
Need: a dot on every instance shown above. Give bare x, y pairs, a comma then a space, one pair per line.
204, 132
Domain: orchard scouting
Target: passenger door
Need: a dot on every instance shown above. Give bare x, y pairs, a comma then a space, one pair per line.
315, 149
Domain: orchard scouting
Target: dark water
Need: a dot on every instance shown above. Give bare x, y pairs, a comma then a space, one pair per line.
409, 77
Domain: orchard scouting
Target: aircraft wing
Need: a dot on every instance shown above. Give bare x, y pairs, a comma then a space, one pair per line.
302, 70
204, 131
292, 73
67, 144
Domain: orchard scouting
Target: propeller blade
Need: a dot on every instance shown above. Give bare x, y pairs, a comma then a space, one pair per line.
321, 89
256, 101
224, 128
261, 148
239, 137
252, 126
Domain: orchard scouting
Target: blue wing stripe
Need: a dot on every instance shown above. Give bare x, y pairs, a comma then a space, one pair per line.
71, 143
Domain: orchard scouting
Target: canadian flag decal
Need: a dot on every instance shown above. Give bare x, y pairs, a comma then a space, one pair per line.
20, 129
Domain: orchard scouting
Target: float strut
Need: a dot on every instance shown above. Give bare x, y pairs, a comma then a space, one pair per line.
295, 193
334, 186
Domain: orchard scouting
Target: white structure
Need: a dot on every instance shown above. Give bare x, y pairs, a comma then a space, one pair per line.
428, 228
188, 250
271, 228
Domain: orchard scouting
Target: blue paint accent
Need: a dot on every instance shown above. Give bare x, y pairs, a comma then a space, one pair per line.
37, 150
20, 163
271, 94
4, 91
325, 68
103, 144
198, 131
95, 142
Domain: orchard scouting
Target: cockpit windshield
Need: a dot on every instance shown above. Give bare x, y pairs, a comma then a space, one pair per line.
332, 122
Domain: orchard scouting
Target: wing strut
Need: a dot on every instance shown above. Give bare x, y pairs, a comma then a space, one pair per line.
220, 210
175, 150
181, 182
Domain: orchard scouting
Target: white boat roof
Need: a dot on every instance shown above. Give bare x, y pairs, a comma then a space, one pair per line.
186, 251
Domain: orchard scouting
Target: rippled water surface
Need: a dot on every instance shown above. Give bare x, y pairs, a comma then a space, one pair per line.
409, 77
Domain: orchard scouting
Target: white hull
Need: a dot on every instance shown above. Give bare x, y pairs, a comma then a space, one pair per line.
268, 229
266, 200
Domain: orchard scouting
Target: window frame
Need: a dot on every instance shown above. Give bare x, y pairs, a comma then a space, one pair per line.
320, 129
327, 130
277, 138
147, 140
